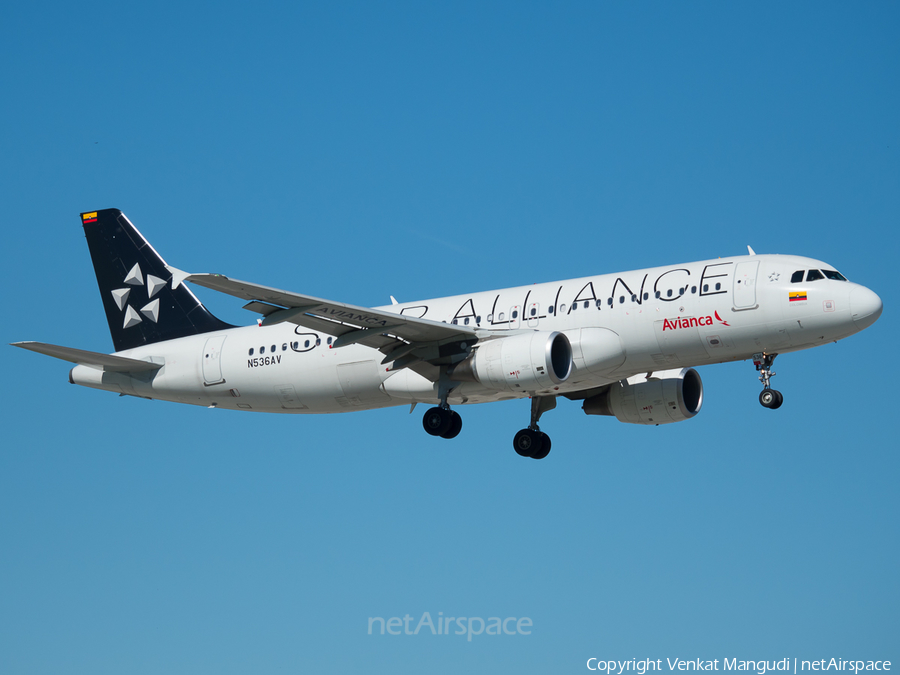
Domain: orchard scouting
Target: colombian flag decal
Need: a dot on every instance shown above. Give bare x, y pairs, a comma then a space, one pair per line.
89, 217
797, 297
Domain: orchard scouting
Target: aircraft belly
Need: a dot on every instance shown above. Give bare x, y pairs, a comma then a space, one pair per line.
360, 383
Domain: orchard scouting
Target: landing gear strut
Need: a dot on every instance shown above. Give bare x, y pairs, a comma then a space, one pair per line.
532, 442
768, 397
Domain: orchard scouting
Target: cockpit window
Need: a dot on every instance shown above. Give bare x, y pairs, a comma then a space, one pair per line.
797, 276
831, 274
814, 275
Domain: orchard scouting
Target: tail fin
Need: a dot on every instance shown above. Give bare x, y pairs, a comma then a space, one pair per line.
141, 306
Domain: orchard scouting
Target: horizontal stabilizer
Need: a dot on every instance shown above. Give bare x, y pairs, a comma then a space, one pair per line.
107, 362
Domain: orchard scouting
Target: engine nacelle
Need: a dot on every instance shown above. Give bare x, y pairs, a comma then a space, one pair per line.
595, 350
668, 396
518, 363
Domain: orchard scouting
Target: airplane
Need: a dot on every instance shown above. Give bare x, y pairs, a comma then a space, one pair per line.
626, 344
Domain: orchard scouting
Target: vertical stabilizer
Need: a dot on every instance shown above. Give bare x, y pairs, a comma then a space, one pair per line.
141, 306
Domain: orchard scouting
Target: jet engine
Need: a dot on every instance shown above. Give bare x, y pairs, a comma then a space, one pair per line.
667, 396
518, 363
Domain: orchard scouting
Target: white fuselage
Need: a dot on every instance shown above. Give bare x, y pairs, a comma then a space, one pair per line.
667, 317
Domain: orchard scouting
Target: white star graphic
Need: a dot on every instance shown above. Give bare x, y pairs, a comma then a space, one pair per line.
135, 277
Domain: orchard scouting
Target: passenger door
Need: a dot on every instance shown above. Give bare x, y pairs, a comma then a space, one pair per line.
745, 285
212, 360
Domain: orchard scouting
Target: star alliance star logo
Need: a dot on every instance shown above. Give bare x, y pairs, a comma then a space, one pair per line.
774, 276
151, 309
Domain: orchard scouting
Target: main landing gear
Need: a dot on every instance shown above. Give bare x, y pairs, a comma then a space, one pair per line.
443, 422
440, 420
532, 442
768, 397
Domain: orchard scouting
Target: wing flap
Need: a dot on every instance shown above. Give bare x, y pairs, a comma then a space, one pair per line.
106, 362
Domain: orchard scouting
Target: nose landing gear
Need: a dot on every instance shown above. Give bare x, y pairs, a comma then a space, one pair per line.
768, 397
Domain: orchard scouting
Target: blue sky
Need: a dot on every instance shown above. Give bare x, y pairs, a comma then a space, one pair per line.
366, 150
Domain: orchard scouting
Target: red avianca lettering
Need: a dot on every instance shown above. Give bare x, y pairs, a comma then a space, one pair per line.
692, 322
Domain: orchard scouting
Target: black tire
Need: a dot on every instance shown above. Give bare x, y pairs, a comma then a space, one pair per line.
768, 398
526, 442
545, 447
436, 421
779, 399
455, 425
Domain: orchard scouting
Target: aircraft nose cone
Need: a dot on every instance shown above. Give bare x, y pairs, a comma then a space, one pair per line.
865, 307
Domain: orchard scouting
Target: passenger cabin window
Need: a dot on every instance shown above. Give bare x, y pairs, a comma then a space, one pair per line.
797, 277
814, 275
587, 303
251, 351
262, 350
835, 276
646, 296
515, 314
533, 313
310, 341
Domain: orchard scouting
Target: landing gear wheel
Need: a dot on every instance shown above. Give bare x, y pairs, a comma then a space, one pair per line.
771, 399
526, 442
455, 425
530, 443
545, 447
437, 421
779, 401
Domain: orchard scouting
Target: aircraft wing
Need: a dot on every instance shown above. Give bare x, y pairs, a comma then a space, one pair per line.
404, 339
106, 362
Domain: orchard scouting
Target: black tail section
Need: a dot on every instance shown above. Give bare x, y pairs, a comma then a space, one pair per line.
136, 287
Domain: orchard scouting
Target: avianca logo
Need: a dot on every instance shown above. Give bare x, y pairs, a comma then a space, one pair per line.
692, 322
